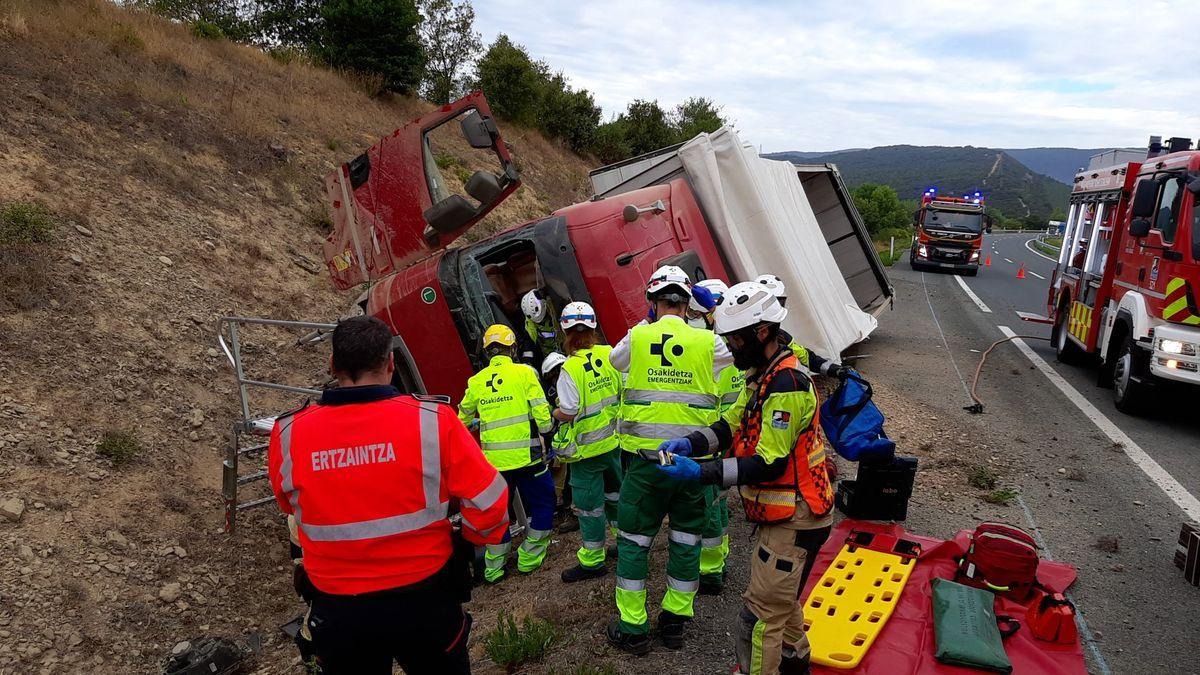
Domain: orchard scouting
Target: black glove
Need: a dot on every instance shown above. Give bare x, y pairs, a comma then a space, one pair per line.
839, 371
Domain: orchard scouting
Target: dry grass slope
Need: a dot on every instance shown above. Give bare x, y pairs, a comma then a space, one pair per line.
182, 178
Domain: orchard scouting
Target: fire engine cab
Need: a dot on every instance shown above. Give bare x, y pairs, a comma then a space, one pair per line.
1124, 290
949, 233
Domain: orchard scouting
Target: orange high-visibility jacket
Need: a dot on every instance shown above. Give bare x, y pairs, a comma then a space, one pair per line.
368, 475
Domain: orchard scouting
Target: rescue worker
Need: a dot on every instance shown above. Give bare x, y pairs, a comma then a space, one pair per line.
567, 522
714, 538
671, 389
368, 475
540, 324
778, 461
512, 415
589, 398
812, 361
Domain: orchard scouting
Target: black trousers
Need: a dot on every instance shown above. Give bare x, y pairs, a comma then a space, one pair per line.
423, 628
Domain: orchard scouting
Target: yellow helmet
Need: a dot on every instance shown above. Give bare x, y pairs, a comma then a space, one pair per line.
499, 334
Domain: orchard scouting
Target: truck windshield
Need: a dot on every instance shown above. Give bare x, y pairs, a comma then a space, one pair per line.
953, 220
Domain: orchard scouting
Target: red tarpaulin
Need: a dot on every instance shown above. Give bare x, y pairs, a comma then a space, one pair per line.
906, 644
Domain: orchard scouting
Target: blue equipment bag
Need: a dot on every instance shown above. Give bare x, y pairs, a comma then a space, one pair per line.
853, 424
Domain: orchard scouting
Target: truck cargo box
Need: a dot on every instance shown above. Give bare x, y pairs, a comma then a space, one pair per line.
797, 221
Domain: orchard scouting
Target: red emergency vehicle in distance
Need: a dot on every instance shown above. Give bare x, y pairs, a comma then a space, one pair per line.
949, 233
1125, 288
397, 207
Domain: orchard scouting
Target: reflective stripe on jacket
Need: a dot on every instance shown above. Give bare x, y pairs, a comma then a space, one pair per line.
670, 391
369, 485
594, 430
544, 335
512, 409
730, 386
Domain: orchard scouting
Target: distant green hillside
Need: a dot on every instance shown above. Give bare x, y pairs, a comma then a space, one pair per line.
1008, 185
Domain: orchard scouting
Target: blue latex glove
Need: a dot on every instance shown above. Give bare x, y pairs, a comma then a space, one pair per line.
677, 446
704, 298
651, 316
681, 468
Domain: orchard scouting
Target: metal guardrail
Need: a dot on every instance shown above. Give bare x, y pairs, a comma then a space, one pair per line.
229, 339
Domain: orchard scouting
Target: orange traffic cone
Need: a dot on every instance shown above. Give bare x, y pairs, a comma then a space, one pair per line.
1021, 271
987, 262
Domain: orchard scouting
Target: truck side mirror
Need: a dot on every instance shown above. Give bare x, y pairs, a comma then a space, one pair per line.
483, 186
1139, 227
1144, 198
480, 133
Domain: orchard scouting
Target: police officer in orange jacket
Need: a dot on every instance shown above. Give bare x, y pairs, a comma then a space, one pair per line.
370, 476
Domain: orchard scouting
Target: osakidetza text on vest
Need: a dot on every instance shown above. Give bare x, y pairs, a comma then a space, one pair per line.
669, 376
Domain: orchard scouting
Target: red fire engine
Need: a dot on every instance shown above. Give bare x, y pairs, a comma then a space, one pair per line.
949, 233
1124, 291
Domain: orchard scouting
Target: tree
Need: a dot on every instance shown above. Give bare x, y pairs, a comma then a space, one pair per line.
511, 80
609, 144
289, 23
449, 41
647, 127
1058, 214
571, 116
880, 207
695, 116
226, 15
374, 36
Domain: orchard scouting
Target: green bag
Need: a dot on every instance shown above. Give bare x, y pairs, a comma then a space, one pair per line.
964, 623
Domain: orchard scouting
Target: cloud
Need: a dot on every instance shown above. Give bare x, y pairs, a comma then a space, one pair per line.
826, 75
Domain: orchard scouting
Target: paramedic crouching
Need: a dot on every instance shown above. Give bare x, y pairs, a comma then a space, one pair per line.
369, 474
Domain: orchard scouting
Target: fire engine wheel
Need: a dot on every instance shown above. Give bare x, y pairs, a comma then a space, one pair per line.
1131, 393
1064, 350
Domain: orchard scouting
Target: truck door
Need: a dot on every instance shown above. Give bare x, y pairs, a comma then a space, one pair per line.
416, 191
1158, 247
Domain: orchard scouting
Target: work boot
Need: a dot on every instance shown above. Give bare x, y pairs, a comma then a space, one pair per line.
638, 645
611, 552
712, 584
670, 629
567, 523
581, 573
794, 665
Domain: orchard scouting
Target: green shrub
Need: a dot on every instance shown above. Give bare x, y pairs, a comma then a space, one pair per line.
983, 478
25, 223
125, 40
585, 669
286, 54
511, 646
1001, 497
206, 30
444, 160
119, 446
333, 144
462, 173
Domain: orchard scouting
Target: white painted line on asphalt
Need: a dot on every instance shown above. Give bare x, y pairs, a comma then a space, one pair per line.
1085, 632
1034, 250
1036, 275
970, 294
1165, 481
1008, 260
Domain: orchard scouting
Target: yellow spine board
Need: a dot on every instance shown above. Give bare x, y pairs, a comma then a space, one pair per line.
851, 604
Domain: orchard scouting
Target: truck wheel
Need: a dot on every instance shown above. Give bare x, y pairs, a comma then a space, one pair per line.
1064, 350
1131, 392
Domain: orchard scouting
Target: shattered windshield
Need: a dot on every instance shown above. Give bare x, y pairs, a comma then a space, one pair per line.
954, 220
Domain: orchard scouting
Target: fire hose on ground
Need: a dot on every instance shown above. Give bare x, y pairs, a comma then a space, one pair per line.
977, 407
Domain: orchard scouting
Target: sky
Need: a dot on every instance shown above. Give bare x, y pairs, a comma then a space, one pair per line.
829, 75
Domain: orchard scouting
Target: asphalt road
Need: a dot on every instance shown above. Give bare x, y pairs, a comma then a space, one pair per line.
1086, 497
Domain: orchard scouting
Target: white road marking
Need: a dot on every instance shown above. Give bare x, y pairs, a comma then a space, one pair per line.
1036, 275
1084, 631
970, 294
1034, 250
1185, 500
1008, 260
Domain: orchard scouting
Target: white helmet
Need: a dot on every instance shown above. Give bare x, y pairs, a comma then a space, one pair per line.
533, 307
552, 361
716, 286
577, 314
773, 284
667, 276
747, 304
